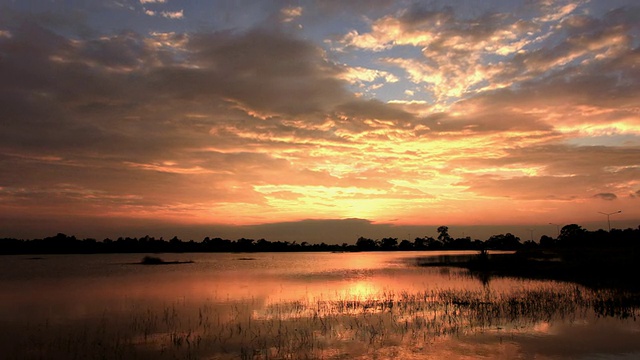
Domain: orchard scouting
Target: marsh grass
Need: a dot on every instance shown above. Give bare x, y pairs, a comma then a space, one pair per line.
313, 328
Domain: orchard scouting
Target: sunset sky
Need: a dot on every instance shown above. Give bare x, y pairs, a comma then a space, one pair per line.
317, 120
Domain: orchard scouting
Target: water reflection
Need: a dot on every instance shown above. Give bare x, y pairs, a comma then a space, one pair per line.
295, 306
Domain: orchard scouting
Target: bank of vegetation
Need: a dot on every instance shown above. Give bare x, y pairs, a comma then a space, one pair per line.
596, 259
571, 237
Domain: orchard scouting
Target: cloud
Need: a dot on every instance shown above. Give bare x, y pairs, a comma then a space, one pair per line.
168, 123
555, 12
179, 14
258, 126
453, 49
360, 74
152, 2
606, 196
266, 72
374, 110
354, 7
288, 14
466, 56
551, 172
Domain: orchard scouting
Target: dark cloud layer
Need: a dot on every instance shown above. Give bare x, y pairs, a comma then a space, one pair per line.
606, 196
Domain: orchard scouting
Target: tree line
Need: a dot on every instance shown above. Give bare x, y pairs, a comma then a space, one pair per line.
572, 235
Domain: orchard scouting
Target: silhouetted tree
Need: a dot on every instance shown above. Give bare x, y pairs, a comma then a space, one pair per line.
433, 244
389, 243
571, 235
244, 245
443, 235
420, 243
506, 241
405, 245
547, 241
461, 243
365, 244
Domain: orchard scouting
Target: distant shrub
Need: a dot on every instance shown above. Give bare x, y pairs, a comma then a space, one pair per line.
151, 260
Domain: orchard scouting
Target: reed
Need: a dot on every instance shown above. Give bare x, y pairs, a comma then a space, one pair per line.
313, 328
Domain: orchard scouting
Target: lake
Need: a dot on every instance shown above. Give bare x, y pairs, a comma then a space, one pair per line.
298, 306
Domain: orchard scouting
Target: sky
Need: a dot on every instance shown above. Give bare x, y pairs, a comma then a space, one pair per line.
318, 120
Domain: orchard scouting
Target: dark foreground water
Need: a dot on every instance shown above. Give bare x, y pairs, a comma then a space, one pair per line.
297, 306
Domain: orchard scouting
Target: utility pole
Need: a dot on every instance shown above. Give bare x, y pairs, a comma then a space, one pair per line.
557, 228
608, 215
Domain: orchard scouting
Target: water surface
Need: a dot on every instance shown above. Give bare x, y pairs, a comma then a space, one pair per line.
294, 305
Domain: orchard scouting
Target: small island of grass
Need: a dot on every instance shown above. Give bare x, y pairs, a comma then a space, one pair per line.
152, 260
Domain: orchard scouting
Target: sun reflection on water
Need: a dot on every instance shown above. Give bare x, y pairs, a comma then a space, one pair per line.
362, 290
